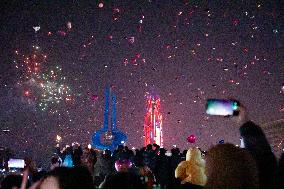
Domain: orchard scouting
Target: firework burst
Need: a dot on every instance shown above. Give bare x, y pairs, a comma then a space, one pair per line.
40, 85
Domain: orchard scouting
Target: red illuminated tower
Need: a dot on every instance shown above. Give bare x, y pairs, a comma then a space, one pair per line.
153, 122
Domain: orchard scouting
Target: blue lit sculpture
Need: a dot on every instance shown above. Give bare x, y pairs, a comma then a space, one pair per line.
105, 138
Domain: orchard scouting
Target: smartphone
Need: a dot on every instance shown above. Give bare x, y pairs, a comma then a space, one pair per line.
222, 107
16, 163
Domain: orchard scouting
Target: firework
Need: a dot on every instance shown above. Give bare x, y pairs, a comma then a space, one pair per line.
53, 89
30, 65
43, 86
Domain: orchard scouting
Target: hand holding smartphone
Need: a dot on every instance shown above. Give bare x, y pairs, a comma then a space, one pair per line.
222, 107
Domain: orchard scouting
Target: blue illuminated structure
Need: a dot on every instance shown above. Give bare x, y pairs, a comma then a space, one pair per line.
105, 138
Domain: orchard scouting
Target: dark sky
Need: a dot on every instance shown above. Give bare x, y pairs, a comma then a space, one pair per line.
184, 51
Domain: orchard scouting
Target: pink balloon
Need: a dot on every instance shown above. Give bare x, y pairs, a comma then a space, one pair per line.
191, 139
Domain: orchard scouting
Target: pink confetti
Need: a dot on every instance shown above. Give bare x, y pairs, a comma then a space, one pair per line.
116, 10
231, 81
131, 40
94, 98
125, 61
101, 5
62, 33
236, 22
219, 59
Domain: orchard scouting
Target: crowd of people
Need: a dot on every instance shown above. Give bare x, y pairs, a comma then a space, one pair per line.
223, 166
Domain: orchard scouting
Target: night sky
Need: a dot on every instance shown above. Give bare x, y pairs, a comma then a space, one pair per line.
182, 51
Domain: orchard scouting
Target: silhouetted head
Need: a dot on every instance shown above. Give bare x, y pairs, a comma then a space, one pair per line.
163, 151
254, 139
175, 151
120, 147
68, 178
149, 147
156, 146
107, 153
54, 160
230, 167
11, 181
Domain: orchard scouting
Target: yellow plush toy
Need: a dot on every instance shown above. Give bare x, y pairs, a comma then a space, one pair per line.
192, 170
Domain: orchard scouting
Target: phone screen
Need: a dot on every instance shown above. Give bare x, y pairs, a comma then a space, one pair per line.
16, 163
221, 107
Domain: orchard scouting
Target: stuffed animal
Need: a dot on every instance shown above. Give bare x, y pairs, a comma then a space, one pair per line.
192, 170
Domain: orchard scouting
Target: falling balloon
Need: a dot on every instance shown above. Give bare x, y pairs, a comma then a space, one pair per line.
191, 139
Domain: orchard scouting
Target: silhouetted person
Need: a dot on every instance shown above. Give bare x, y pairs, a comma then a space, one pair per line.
279, 178
68, 178
12, 182
162, 171
256, 143
229, 167
123, 180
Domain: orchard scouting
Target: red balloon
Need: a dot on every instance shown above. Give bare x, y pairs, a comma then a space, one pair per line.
123, 165
191, 139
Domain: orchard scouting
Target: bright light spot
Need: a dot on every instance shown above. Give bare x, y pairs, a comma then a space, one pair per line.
58, 138
101, 5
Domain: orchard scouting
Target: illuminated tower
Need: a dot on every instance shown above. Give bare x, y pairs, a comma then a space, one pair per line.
108, 137
153, 122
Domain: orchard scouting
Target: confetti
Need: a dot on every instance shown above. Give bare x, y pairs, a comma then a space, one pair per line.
236, 22
62, 33
101, 5
282, 88
131, 40
36, 28
69, 25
